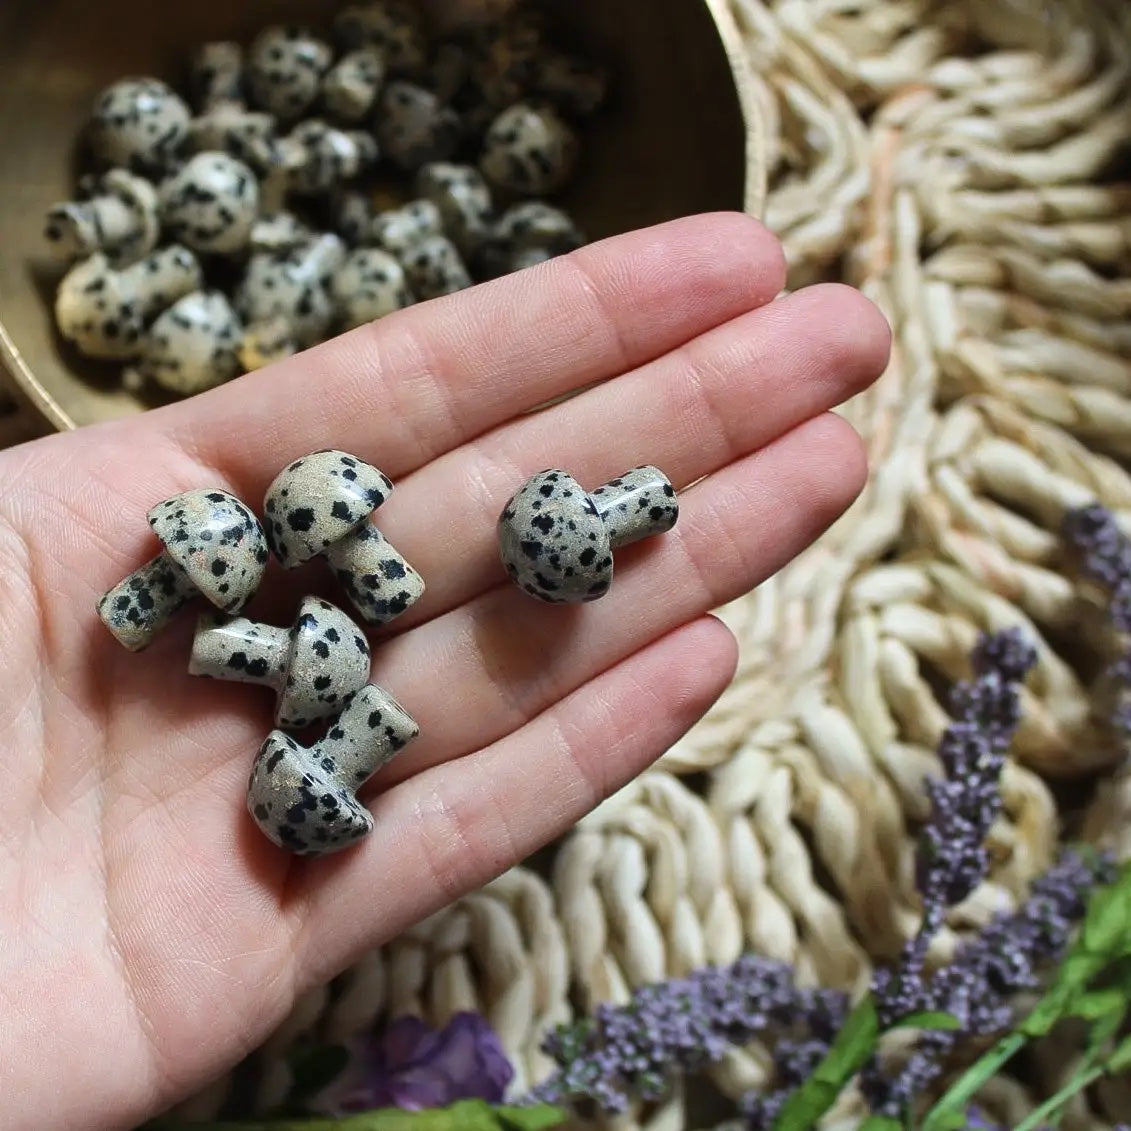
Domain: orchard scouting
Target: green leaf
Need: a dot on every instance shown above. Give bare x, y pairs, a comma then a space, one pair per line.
854, 1044
1092, 1005
1107, 923
880, 1123
1120, 1059
928, 1019
954, 1100
536, 1117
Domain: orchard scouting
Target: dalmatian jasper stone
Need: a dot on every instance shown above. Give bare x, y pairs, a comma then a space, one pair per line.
463, 198
138, 124
192, 346
318, 500
293, 285
321, 504
434, 268
214, 546
400, 229
104, 312
284, 73
304, 798
351, 86
314, 665
329, 156
414, 127
556, 539
211, 203
525, 234
529, 149
369, 284
393, 27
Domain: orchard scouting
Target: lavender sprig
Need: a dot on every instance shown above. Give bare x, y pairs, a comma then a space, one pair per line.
681, 1026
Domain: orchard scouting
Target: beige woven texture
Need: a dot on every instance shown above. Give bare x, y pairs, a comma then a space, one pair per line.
954, 159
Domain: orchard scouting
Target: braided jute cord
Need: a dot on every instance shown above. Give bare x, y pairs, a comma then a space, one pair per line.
953, 158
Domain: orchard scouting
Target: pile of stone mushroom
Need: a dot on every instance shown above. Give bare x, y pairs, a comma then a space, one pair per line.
309, 185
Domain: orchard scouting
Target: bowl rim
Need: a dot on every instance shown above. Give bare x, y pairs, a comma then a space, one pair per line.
753, 191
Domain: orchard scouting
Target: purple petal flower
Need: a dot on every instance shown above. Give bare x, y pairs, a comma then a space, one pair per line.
410, 1066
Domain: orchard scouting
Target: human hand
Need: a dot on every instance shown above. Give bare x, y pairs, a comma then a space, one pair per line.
151, 935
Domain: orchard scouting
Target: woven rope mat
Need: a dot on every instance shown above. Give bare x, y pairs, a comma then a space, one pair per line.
955, 159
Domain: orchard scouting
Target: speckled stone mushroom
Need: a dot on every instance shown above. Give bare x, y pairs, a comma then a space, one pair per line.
294, 285
351, 85
321, 504
525, 234
137, 124
529, 150
304, 798
313, 666
267, 342
368, 285
330, 156
434, 268
464, 200
557, 540
350, 213
400, 229
224, 121
210, 204
104, 312
192, 346
390, 25
414, 127
214, 546
284, 70
279, 231
120, 219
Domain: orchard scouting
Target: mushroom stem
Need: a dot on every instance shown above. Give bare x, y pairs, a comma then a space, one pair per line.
372, 729
137, 608
379, 581
79, 228
636, 505
240, 650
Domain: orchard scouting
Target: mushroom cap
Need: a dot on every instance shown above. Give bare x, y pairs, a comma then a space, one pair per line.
298, 805
318, 499
328, 661
193, 345
217, 541
553, 542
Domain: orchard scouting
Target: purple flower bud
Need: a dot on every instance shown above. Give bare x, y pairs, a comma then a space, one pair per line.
410, 1066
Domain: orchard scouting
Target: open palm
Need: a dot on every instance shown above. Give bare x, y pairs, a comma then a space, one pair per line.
149, 935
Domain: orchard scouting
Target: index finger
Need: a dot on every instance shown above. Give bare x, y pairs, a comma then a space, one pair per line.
417, 383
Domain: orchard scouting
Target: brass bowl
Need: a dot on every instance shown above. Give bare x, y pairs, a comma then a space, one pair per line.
682, 136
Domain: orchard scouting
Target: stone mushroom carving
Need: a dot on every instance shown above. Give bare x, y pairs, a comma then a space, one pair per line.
463, 198
329, 156
137, 124
313, 666
351, 86
368, 285
225, 122
528, 233
303, 798
556, 539
192, 346
414, 127
292, 285
214, 546
284, 71
120, 219
104, 312
529, 149
211, 203
321, 504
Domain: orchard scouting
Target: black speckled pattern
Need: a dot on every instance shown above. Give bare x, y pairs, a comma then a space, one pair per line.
351, 86
528, 149
329, 156
317, 500
284, 70
434, 268
304, 798
556, 539
377, 579
399, 229
193, 345
214, 546
313, 666
138, 124
370, 284
210, 204
464, 200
